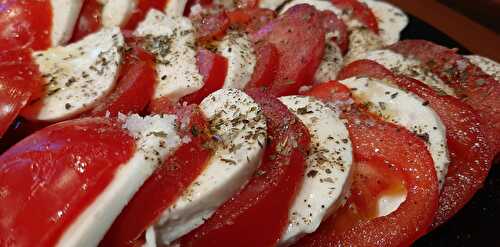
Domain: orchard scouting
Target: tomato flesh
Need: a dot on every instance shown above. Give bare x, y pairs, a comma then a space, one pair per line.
20, 82
333, 24
49, 178
210, 25
250, 19
470, 154
135, 87
25, 24
142, 9
360, 11
266, 66
165, 185
476, 88
384, 148
299, 36
89, 20
263, 204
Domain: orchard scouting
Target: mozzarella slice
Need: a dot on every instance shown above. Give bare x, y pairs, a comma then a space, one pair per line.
271, 4
407, 110
77, 76
172, 41
331, 62
487, 65
65, 13
237, 48
175, 7
239, 125
398, 64
91, 225
328, 167
391, 20
116, 13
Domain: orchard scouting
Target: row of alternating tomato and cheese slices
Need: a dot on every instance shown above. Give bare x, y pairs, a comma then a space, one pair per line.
257, 148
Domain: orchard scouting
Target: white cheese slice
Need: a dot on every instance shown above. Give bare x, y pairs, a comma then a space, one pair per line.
172, 41
237, 48
326, 179
65, 13
331, 62
391, 20
240, 126
271, 4
487, 65
398, 64
91, 225
175, 7
116, 13
77, 76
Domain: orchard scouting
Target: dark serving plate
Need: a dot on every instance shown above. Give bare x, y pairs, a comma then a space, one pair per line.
478, 222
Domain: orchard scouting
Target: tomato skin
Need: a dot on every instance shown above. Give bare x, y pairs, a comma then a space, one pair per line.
20, 82
25, 24
142, 10
266, 67
89, 20
470, 154
135, 86
333, 24
250, 19
262, 206
53, 175
299, 36
476, 88
213, 68
360, 11
166, 184
380, 143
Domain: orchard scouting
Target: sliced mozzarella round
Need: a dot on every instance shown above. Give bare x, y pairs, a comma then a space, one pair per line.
398, 64
77, 76
237, 48
151, 149
271, 4
361, 40
240, 128
331, 63
487, 65
116, 13
172, 41
65, 13
391, 20
326, 178
175, 7
407, 110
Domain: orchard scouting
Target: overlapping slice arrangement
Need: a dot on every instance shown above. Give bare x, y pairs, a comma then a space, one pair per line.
234, 123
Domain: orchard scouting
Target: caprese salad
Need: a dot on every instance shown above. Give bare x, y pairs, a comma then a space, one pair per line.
234, 123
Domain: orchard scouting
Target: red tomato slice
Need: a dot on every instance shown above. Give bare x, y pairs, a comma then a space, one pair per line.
250, 19
135, 87
476, 88
300, 38
210, 25
166, 184
333, 24
89, 20
25, 24
384, 148
20, 82
470, 155
261, 208
266, 66
213, 68
360, 11
142, 10
49, 178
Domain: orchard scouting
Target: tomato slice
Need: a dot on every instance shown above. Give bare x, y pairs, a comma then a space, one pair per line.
470, 154
20, 82
360, 11
299, 36
142, 9
333, 24
135, 87
266, 66
250, 19
25, 24
261, 208
384, 148
49, 178
213, 68
166, 184
210, 25
478, 89
89, 20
